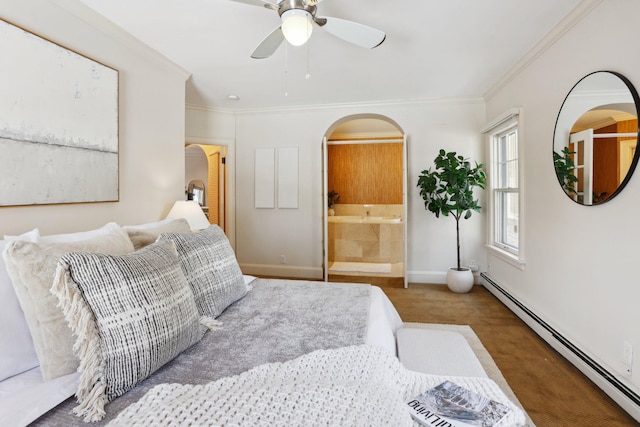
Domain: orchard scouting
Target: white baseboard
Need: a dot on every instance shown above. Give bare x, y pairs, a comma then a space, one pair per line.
316, 273
628, 399
435, 277
298, 272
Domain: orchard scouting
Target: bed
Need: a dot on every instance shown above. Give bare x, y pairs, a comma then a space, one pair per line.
156, 325
275, 321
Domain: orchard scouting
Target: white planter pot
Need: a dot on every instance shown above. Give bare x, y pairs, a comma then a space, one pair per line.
460, 281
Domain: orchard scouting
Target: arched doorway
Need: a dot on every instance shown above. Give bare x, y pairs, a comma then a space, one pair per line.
205, 164
365, 229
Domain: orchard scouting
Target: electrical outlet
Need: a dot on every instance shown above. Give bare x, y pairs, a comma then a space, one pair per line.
473, 265
283, 259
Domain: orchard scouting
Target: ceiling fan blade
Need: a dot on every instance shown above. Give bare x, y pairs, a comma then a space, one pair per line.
352, 32
269, 45
260, 3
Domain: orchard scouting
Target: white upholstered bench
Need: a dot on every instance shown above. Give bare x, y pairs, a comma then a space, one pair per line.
437, 352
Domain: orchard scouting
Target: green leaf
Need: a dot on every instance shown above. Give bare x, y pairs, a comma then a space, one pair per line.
447, 187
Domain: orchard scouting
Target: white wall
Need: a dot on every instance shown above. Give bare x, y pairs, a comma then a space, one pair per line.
262, 235
581, 272
151, 120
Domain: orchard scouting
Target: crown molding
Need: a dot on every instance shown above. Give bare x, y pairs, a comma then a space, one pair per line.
369, 137
207, 109
324, 107
574, 17
102, 24
203, 140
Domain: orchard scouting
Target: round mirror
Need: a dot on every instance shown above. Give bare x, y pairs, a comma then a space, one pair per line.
594, 143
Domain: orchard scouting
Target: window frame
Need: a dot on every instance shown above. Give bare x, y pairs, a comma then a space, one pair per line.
511, 120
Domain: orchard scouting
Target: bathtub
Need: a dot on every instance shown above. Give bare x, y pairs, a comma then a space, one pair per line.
352, 219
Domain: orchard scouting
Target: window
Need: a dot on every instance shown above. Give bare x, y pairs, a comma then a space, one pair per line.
504, 206
505, 188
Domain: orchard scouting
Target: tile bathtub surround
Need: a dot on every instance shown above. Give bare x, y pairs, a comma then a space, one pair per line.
374, 243
374, 210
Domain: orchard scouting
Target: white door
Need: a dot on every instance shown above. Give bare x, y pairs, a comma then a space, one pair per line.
325, 209
583, 159
404, 208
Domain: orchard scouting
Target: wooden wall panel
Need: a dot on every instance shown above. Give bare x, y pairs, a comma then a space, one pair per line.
626, 147
214, 183
606, 154
605, 164
366, 173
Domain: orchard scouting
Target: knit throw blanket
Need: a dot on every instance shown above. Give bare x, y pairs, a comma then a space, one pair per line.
358, 385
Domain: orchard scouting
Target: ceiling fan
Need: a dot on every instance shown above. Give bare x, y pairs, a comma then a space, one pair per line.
297, 18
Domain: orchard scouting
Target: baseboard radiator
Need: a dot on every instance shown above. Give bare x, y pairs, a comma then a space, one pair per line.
628, 399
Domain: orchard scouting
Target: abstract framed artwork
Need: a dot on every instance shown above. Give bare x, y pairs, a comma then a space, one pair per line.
58, 123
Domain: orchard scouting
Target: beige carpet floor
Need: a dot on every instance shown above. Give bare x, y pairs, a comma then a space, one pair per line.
483, 356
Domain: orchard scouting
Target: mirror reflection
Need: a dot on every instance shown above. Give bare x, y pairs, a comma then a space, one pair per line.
594, 147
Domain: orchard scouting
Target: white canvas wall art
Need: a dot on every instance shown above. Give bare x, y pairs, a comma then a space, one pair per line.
265, 173
58, 123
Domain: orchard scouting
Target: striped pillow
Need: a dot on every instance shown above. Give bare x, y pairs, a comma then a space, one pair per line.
210, 266
130, 314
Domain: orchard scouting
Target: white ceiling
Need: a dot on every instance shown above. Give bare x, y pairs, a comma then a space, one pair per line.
434, 48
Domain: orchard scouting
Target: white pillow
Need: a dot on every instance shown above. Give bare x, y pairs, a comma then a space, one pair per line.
32, 267
149, 225
82, 235
16, 346
30, 236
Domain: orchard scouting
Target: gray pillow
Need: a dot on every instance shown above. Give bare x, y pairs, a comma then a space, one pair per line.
32, 267
211, 268
131, 314
146, 234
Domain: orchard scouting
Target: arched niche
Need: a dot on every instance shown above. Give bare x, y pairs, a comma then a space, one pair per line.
365, 160
203, 163
364, 126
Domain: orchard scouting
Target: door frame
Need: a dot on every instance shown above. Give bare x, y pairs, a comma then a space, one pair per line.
228, 193
325, 184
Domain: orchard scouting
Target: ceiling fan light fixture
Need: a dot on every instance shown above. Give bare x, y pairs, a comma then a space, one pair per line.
297, 26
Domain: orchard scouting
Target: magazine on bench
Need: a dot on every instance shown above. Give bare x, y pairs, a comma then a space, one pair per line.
450, 405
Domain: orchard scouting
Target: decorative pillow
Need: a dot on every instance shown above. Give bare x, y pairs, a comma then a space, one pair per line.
32, 267
211, 268
16, 346
82, 235
30, 236
146, 234
150, 225
131, 314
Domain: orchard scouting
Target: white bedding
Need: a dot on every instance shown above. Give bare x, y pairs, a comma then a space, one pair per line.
25, 397
383, 321
356, 385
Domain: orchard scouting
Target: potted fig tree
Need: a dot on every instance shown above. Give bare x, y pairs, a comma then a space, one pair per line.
447, 189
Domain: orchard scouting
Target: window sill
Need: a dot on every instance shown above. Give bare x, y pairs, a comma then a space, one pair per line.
507, 257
